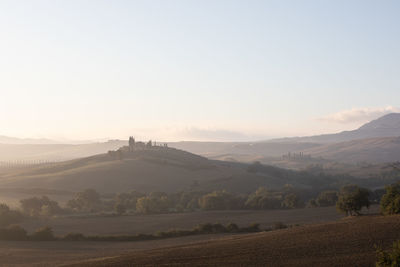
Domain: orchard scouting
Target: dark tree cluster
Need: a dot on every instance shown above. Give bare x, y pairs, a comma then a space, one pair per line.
40, 206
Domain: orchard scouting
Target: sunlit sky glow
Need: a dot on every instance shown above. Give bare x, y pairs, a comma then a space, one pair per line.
196, 70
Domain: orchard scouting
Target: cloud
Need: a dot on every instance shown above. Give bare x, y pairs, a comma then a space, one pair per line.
359, 115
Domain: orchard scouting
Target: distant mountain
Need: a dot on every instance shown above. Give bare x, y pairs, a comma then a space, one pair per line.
55, 152
386, 126
375, 142
371, 150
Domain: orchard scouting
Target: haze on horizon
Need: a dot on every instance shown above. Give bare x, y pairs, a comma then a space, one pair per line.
196, 70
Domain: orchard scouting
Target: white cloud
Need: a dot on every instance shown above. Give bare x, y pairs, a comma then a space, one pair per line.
359, 115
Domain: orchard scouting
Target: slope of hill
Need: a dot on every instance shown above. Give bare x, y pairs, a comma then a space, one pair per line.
374, 142
348, 242
385, 126
374, 150
216, 149
157, 169
164, 169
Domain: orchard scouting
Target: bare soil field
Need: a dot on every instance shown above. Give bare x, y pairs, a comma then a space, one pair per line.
52, 253
348, 242
148, 224
55, 253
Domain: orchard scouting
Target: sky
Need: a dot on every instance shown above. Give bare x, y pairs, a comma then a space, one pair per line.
221, 70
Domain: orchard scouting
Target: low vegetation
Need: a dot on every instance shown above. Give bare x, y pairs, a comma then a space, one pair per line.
390, 203
389, 258
8, 216
17, 233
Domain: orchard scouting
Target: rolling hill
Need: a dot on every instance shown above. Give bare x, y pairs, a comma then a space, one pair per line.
156, 169
374, 142
164, 169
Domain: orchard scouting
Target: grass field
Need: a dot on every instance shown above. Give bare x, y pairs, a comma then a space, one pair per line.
348, 242
136, 224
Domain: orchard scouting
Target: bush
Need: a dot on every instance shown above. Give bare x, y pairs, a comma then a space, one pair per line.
8, 216
390, 202
279, 225
253, 228
74, 237
13, 233
232, 228
43, 234
389, 258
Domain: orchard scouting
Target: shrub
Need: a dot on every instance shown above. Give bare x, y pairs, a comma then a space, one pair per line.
43, 234
232, 228
13, 233
8, 216
389, 258
255, 227
74, 237
279, 225
390, 202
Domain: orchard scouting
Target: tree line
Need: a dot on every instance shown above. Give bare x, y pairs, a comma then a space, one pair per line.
350, 200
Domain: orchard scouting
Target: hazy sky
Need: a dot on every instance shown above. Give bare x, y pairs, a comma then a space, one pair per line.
215, 70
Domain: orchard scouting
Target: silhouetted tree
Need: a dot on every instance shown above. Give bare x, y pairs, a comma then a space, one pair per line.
352, 199
40, 206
